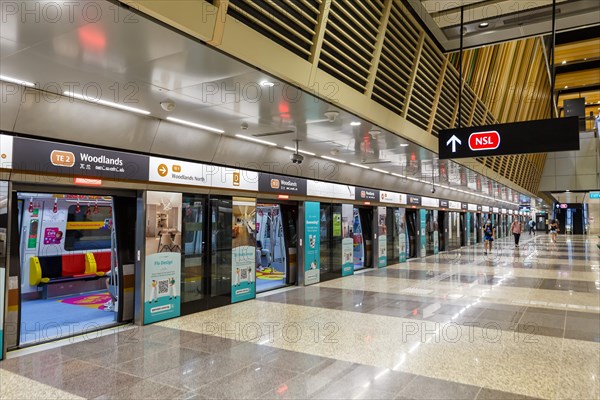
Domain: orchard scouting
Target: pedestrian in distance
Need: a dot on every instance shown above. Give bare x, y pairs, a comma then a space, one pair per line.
488, 237
516, 229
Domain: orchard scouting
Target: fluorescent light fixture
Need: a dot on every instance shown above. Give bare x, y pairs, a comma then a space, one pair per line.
484, 24
398, 175
252, 139
106, 103
299, 151
380, 170
267, 83
194, 125
355, 123
334, 159
359, 165
403, 144
17, 81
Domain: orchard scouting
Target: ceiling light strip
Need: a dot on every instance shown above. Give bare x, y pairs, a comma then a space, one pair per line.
194, 125
333, 159
106, 103
359, 165
252, 139
17, 81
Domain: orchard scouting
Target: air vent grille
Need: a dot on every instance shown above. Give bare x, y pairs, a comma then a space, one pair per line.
396, 61
349, 41
426, 83
290, 23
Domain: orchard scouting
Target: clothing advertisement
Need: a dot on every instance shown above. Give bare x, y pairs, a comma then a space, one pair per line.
381, 238
312, 233
422, 235
244, 252
402, 234
163, 256
347, 239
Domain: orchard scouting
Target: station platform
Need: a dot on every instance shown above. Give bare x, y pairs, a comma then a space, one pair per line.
518, 323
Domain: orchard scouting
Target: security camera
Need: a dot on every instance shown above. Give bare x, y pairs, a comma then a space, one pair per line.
331, 115
296, 158
167, 105
432, 190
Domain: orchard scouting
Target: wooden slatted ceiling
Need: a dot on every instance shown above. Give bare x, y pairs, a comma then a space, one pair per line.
591, 97
577, 51
569, 80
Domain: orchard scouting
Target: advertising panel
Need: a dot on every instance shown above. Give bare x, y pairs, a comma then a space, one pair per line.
347, 239
468, 222
472, 207
402, 236
337, 225
163, 256
312, 233
413, 200
2, 291
65, 159
422, 229
430, 202
381, 238
243, 252
436, 233
454, 205
485, 208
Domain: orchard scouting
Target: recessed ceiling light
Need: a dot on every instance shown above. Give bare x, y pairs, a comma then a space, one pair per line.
267, 83
255, 140
404, 145
564, 62
566, 87
106, 103
194, 125
355, 123
17, 81
299, 151
484, 24
359, 165
567, 190
334, 159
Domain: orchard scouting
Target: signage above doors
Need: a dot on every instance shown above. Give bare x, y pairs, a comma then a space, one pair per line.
541, 136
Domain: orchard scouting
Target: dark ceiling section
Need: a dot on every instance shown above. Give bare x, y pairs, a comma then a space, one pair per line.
578, 35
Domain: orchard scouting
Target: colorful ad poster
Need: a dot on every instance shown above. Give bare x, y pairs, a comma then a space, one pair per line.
52, 236
422, 234
337, 225
347, 240
381, 238
163, 256
2, 291
244, 252
402, 237
468, 219
312, 231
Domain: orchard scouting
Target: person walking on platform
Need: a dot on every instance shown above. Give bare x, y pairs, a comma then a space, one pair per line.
516, 229
531, 227
488, 237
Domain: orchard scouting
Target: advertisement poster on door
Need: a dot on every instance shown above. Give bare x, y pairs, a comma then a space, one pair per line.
244, 254
163, 256
312, 232
468, 223
436, 233
2, 291
381, 238
347, 240
401, 215
422, 235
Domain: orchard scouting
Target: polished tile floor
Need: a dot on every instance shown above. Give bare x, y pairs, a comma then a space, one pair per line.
516, 324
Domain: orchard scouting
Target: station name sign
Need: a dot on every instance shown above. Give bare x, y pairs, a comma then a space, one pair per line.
541, 136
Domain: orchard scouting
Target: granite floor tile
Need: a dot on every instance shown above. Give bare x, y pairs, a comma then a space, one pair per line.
145, 389
194, 375
490, 394
102, 382
428, 388
290, 360
160, 362
111, 357
252, 382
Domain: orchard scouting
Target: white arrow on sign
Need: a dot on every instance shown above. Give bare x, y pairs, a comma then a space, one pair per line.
453, 140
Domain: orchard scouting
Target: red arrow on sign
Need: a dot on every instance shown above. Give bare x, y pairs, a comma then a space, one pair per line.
484, 140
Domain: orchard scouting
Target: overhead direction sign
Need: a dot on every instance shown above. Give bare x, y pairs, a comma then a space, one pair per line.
541, 136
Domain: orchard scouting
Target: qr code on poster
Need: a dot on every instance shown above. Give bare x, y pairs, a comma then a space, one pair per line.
163, 286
